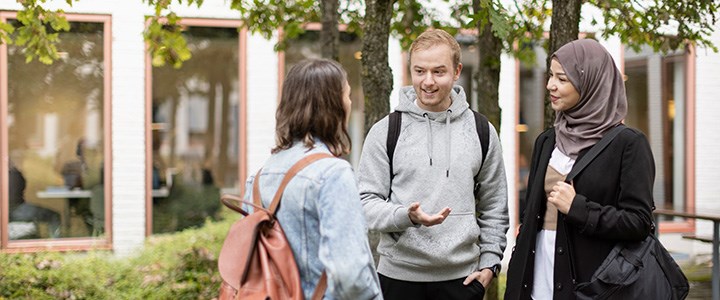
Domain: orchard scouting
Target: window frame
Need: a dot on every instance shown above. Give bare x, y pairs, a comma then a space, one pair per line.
242, 111
683, 225
62, 244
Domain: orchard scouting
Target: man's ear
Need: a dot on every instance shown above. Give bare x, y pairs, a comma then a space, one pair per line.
457, 71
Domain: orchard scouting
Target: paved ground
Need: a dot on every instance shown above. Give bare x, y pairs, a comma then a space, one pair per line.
699, 275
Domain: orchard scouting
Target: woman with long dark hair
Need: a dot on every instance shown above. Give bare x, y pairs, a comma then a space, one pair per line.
320, 210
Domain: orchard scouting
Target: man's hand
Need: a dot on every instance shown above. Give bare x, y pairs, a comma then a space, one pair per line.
418, 216
484, 276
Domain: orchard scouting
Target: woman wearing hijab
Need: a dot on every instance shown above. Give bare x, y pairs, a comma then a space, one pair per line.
567, 230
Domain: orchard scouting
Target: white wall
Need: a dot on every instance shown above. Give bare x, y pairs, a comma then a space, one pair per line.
398, 66
128, 110
707, 136
128, 123
507, 98
262, 99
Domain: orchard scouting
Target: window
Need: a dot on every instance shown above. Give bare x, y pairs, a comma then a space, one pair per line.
195, 129
57, 139
657, 92
307, 45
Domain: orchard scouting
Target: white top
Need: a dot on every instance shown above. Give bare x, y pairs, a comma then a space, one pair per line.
544, 271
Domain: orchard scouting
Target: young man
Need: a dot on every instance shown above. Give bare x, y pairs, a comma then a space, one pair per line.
438, 241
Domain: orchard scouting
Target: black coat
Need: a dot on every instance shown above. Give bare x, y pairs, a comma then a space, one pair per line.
613, 203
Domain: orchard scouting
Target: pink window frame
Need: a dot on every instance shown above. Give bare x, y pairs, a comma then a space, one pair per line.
242, 112
64, 244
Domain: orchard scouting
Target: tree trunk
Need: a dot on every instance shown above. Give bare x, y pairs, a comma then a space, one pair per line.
377, 77
330, 35
487, 77
487, 83
564, 28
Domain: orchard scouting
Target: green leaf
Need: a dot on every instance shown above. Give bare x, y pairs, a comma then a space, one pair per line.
5, 31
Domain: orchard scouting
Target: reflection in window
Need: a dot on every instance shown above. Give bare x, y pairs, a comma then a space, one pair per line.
657, 100
55, 139
307, 45
195, 130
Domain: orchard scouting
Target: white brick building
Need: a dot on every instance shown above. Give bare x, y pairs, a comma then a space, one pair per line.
193, 119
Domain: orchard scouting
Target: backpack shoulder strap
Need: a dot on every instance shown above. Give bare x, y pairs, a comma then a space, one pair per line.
593, 152
301, 164
394, 124
483, 131
296, 168
321, 287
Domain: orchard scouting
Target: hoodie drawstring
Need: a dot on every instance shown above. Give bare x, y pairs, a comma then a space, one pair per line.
429, 137
447, 144
449, 141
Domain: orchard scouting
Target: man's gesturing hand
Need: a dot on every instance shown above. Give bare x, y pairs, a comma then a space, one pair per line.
418, 216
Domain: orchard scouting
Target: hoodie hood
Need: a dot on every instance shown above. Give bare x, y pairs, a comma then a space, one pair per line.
458, 106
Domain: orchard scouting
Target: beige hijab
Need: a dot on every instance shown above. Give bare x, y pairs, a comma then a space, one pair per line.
602, 104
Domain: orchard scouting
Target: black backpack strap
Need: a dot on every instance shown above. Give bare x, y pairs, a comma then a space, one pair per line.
593, 152
394, 123
483, 131
577, 168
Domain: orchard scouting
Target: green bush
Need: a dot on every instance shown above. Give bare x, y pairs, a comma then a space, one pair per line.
181, 265
187, 206
173, 266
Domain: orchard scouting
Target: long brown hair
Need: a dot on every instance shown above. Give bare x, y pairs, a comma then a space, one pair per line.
311, 106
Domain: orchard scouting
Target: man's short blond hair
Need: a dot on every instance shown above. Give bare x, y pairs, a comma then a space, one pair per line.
434, 37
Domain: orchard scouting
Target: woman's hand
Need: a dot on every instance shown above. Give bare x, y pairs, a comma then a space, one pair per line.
562, 196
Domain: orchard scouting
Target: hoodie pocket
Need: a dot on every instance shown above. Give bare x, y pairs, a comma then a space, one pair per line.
452, 243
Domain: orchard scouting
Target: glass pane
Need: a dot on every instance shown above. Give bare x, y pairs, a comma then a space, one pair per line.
636, 86
55, 133
195, 130
307, 45
656, 105
674, 141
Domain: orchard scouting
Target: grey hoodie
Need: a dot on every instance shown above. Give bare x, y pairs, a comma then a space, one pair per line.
436, 158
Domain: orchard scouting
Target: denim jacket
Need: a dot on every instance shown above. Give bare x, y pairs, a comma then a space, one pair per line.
322, 217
